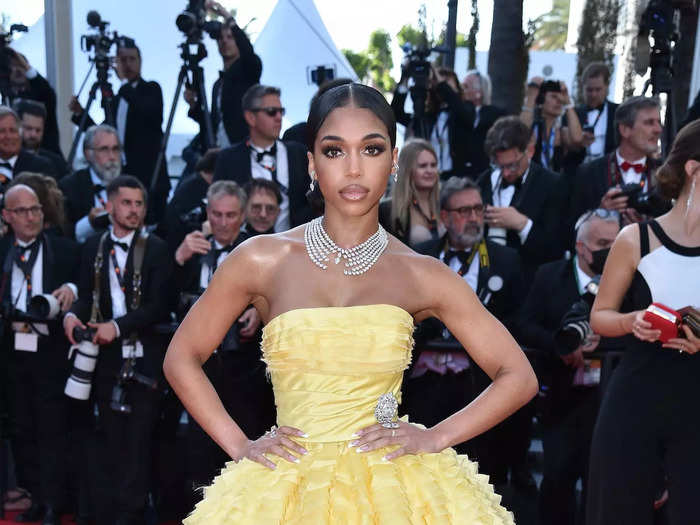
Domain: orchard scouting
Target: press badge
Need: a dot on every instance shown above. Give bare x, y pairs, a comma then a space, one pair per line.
131, 350
26, 342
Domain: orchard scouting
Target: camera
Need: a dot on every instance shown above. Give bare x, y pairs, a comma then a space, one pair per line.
184, 303
127, 375
45, 307
575, 326
192, 22
193, 219
101, 42
6, 55
650, 203
79, 382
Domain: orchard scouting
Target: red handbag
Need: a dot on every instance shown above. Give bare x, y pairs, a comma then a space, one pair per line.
665, 319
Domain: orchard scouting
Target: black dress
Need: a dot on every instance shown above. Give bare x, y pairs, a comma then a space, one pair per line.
650, 416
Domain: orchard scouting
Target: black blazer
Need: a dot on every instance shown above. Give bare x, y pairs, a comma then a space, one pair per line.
187, 196
476, 158
234, 164
574, 158
504, 262
60, 166
296, 133
60, 265
542, 199
460, 123
156, 275
78, 195
28, 161
232, 84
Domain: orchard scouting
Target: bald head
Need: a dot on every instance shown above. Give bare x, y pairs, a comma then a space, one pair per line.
22, 211
16, 193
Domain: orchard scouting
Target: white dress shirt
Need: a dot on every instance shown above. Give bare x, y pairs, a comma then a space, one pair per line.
83, 228
3, 169
206, 272
597, 147
122, 110
472, 274
502, 198
262, 170
440, 139
118, 296
630, 176
582, 278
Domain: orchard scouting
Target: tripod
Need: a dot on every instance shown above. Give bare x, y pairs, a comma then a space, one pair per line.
107, 96
190, 64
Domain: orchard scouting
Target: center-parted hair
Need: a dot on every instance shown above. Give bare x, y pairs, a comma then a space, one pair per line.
357, 95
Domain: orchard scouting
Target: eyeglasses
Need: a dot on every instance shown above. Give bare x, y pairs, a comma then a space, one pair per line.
508, 167
26, 212
601, 213
269, 208
107, 149
271, 111
466, 211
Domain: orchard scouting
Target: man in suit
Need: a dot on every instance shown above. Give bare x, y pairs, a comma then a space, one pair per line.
476, 88
235, 369
242, 69
36, 263
14, 159
263, 206
138, 116
447, 122
264, 156
32, 116
27, 83
569, 378
597, 116
597, 183
85, 190
130, 300
441, 382
525, 202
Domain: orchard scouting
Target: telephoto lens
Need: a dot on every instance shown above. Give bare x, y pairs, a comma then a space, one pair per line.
79, 383
44, 306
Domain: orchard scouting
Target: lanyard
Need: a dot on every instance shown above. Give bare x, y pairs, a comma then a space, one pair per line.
117, 270
483, 258
432, 221
26, 266
547, 147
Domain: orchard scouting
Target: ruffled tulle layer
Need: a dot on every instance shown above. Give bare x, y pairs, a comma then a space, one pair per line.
334, 484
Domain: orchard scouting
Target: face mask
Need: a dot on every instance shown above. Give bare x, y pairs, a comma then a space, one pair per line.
599, 257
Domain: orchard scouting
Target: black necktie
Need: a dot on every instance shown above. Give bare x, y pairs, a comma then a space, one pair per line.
460, 254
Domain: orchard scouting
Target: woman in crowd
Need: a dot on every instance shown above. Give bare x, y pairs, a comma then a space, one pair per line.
545, 104
649, 418
412, 212
338, 335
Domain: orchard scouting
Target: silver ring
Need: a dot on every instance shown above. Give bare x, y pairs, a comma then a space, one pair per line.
390, 424
272, 432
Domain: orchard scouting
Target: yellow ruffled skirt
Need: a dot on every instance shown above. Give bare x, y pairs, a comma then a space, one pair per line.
335, 484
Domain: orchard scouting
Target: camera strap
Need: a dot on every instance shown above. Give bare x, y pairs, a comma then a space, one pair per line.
26, 265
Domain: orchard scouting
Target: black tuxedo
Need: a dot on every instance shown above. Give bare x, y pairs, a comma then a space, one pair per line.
296, 133
60, 166
78, 194
142, 139
31, 162
460, 124
40, 90
125, 450
35, 380
542, 199
187, 196
230, 87
234, 164
477, 159
574, 158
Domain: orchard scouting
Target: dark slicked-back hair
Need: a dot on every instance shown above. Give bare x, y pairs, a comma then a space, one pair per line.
354, 94
126, 181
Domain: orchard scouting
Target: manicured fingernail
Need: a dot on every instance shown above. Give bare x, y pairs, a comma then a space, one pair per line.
355, 434
304, 451
296, 460
385, 458
361, 449
353, 443
304, 435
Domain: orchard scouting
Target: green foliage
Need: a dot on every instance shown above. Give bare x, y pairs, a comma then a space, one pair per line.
409, 34
358, 61
380, 61
551, 28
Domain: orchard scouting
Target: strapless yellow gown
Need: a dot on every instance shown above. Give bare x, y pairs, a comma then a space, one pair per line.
328, 368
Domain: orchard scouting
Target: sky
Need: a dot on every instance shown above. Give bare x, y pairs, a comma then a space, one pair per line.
349, 25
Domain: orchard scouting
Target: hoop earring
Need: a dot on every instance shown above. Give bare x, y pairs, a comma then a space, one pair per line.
313, 181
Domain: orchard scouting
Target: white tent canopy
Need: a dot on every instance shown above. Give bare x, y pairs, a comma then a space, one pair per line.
293, 42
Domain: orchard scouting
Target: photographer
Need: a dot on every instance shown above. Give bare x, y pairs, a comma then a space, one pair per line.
37, 263
185, 211
14, 158
648, 418
130, 299
621, 179
545, 103
27, 83
138, 116
32, 116
242, 69
85, 189
235, 369
263, 207
569, 380
447, 121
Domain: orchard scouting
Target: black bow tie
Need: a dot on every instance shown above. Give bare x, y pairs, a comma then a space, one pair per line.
272, 152
6, 165
97, 188
462, 255
121, 245
224, 249
28, 247
597, 108
517, 183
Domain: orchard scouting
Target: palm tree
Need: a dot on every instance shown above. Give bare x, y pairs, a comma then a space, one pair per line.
551, 28
507, 55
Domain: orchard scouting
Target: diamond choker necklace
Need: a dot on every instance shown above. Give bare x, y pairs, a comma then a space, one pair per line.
358, 259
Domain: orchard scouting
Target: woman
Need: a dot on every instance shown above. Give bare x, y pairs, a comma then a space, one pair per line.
338, 336
413, 210
649, 416
545, 103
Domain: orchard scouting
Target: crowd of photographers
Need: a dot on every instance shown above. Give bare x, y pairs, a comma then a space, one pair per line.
97, 270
